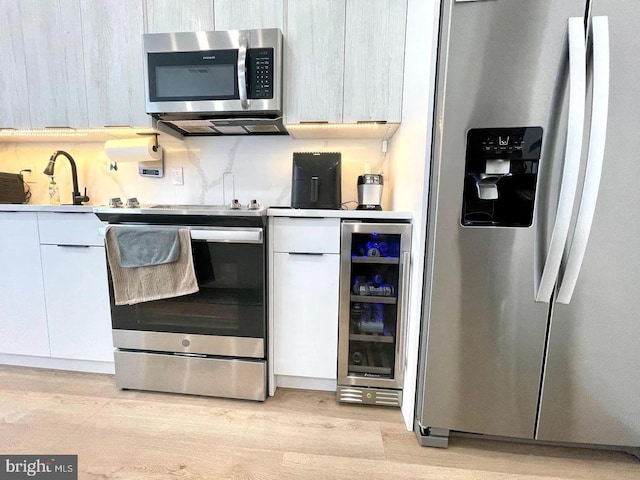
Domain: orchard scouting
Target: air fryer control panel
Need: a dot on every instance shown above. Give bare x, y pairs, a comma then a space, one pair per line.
260, 73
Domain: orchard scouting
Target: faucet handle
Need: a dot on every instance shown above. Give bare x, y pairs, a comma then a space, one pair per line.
80, 199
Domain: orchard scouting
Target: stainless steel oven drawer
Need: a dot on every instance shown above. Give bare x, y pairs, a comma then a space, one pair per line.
216, 377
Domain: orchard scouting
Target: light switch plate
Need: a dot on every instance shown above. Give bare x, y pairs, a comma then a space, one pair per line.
177, 177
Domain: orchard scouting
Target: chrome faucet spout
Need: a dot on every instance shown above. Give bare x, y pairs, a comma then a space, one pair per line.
77, 198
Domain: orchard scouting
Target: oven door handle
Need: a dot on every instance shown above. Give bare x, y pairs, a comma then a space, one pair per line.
248, 235
231, 235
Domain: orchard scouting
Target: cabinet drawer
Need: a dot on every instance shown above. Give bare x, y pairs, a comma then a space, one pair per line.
69, 229
306, 235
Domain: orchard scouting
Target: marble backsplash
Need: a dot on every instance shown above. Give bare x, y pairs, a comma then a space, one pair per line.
213, 168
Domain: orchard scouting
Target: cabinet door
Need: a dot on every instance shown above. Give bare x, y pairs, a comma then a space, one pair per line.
112, 39
249, 14
55, 66
314, 66
374, 60
183, 16
23, 320
13, 73
306, 314
77, 293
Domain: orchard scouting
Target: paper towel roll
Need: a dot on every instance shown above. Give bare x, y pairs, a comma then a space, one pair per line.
133, 149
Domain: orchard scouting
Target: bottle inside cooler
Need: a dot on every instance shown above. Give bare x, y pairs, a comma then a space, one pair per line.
374, 286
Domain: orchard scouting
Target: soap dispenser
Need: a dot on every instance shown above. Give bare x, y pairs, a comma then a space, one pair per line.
54, 193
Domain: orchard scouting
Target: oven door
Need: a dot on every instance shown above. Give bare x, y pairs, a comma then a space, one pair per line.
226, 317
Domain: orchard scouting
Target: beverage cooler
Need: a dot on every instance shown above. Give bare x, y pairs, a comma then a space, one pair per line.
374, 273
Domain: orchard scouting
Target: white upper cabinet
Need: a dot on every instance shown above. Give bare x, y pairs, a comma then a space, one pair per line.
248, 14
183, 16
112, 41
314, 68
344, 63
55, 65
79, 63
374, 60
13, 73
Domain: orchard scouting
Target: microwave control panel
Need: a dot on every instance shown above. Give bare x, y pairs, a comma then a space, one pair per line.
260, 73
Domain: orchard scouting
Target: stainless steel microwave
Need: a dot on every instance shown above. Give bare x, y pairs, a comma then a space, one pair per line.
215, 83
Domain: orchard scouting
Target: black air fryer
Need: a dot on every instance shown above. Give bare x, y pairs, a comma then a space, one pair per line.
12, 188
316, 180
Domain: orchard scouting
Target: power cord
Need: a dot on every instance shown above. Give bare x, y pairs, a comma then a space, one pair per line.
27, 194
345, 205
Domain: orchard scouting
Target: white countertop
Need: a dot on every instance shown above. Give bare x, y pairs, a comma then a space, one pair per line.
11, 207
272, 212
356, 214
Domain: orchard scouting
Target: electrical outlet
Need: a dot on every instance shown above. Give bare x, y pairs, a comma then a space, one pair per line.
177, 177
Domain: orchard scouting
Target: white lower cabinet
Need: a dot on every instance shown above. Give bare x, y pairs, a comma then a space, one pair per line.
306, 314
77, 299
305, 273
54, 294
23, 321
76, 290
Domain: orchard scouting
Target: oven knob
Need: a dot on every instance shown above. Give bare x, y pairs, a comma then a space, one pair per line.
186, 343
115, 202
253, 205
235, 204
133, 203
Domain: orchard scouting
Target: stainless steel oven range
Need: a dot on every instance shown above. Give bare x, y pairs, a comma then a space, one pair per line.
212, 342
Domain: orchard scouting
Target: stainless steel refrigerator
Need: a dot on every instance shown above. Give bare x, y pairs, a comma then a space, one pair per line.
531, 313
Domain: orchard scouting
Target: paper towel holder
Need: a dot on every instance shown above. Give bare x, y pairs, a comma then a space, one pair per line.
152, 168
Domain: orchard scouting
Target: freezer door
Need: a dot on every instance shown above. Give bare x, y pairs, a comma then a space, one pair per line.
591, 389
502, 64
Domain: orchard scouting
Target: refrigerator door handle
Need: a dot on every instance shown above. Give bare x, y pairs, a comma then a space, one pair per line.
595, 158
573, 151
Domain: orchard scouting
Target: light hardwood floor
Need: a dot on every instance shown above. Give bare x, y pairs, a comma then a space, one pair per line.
294, 435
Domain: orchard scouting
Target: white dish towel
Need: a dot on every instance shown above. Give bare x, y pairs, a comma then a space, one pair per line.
133, 285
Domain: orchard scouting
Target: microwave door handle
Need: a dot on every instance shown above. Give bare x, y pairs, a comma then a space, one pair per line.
242, 73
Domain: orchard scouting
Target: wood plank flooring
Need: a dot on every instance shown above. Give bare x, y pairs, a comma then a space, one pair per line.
294, 435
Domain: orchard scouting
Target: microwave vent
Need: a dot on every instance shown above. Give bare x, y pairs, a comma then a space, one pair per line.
262, 128
212, 126
230, 130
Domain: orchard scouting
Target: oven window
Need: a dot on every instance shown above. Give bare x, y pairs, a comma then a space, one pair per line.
231, 300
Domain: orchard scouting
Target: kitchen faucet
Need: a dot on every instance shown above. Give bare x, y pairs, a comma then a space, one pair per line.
77, 198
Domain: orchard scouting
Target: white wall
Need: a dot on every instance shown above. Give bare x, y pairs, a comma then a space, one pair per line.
261, 168
410, 158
